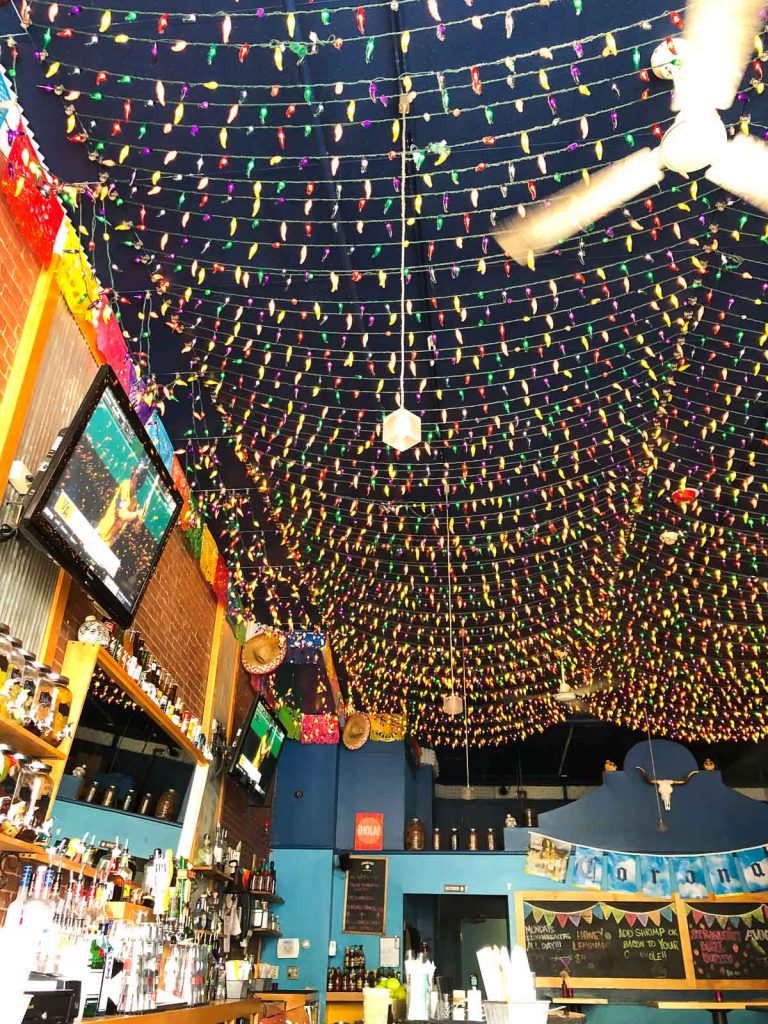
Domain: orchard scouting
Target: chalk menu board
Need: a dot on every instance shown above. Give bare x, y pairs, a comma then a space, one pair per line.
603, 943
729, 941
365, 897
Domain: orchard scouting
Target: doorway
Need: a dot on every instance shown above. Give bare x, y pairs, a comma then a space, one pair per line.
454, 927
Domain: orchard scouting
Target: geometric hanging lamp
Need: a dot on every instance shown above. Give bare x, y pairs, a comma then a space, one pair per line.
402, 429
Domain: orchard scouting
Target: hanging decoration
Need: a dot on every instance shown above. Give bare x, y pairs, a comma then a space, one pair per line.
693, 876
31, 195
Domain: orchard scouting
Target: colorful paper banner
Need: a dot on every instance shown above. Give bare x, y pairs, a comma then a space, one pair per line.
656, 876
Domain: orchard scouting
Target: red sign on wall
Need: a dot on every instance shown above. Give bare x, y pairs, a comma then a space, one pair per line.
369, 831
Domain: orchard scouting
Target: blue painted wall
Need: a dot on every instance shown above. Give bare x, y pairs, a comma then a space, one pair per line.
304, 882
143, 834
706, 815
338, 783
309, 821
372, 779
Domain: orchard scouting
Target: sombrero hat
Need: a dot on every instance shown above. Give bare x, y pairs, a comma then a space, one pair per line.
356, 731
264, 649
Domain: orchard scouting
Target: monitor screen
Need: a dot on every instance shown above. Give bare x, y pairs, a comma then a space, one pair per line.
105, 503
257, 749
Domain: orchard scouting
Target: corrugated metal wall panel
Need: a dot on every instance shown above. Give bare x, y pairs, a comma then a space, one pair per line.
27, 576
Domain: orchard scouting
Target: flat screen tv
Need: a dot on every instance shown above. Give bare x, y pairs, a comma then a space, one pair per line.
104, 504
256, 749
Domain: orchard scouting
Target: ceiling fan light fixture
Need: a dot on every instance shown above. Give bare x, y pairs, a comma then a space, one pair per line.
694, 141
402, 430
566, 696
453, 705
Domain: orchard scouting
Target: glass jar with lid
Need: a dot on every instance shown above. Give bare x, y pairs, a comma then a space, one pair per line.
21, 709
17, 659
32, 799
50, 709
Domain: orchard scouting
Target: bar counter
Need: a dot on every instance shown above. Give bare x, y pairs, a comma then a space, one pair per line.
225, 1011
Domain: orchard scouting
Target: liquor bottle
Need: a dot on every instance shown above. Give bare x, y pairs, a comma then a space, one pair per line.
170, 708
218, 849
272, 876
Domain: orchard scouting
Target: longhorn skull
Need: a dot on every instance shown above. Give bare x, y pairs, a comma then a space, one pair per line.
664, 786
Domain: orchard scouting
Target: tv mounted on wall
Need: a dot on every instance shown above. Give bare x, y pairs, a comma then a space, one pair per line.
103, 504
256, 749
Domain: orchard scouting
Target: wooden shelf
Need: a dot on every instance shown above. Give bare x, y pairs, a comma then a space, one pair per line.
343, 997
266, 897
267, 932
131, 688
25, 742
41, 855
131, 912
205, 871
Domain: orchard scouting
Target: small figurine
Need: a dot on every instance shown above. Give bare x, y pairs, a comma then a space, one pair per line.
609, 766
510, 822
709, 765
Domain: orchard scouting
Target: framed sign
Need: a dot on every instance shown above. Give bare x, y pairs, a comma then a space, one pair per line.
369, 831
365, 896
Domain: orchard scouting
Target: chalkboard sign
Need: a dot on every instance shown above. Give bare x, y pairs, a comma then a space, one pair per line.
729, 941
365, 898
601, 942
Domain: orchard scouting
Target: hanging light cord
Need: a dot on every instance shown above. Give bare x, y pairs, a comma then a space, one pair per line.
402, 258
466, 709
653, 764
450, 586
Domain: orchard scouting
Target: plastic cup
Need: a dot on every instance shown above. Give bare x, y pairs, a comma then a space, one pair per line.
375, 1005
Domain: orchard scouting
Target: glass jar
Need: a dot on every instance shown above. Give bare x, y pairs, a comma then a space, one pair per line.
414, 835
32, 799
24, 690
10, 766
51, 707
17, 661
168, 805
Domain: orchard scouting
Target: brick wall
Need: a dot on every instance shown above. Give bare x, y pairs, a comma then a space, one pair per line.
176, 619
18, 274
245, 821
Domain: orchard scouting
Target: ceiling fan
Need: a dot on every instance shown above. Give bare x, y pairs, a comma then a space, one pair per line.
706, 67
571, 697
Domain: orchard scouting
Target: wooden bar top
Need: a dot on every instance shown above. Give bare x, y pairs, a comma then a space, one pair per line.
212, 1013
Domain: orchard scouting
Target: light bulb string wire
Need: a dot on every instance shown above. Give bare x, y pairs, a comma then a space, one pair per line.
403, 218
450, 588
653, 761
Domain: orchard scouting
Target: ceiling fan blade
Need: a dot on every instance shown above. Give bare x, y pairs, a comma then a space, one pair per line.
569, 211
720, 38
742, 168
585, 691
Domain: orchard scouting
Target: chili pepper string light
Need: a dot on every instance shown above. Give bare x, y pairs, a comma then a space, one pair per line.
567, 404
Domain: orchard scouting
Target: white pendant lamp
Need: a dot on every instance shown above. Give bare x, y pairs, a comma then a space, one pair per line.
402, 429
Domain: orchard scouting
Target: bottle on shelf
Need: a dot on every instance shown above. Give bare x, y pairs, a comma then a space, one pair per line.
218, 850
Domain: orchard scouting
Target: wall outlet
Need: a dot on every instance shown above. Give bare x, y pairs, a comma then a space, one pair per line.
292, 973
